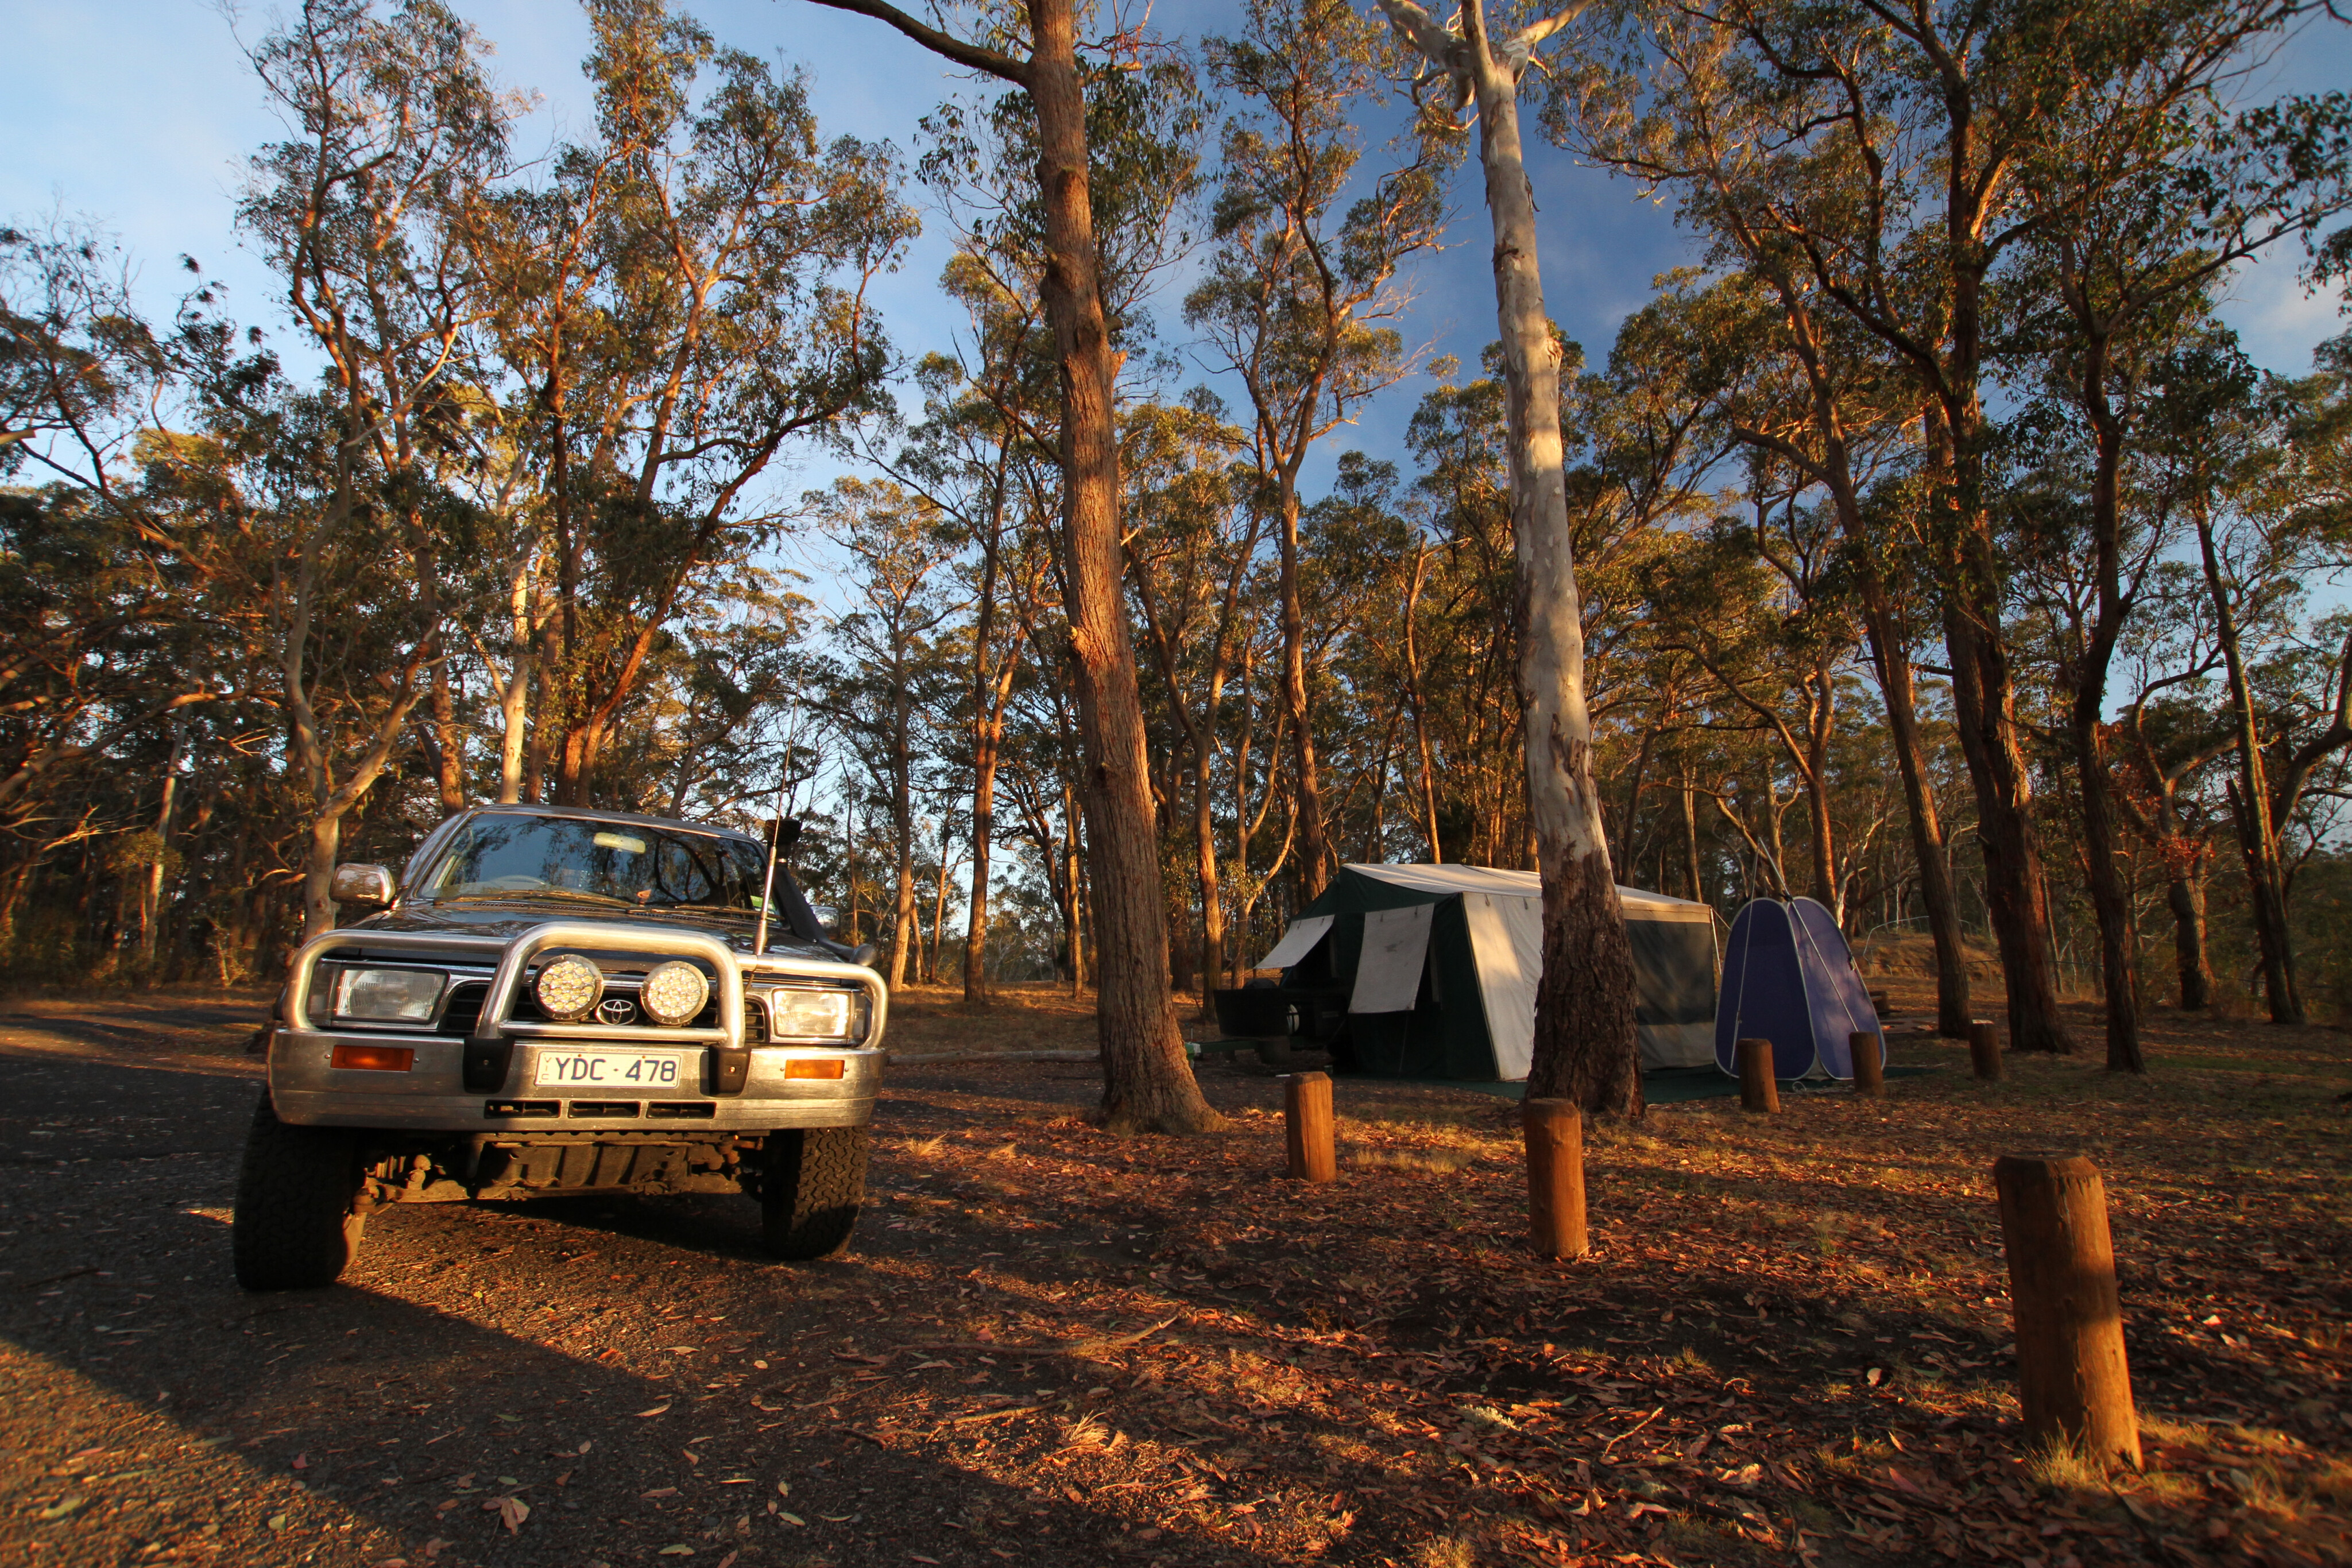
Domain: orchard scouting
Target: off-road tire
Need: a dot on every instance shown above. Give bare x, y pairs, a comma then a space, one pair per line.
295, 1228
811, 1191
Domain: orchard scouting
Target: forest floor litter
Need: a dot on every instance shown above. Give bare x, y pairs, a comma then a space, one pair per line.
1052, 1346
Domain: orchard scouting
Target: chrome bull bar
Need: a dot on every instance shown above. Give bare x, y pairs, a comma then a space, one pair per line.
516, 952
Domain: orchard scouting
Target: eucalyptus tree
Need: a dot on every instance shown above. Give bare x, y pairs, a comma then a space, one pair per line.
892, 692
2135, 220
1809, 388
2264, 469
964, 458
1460, 623
1583, 1047
2173, 737
1192, 549
1357, 541
392, 124
992, 415
96, 642
686, 296
1146, 1081
1302, 294
1888, 153
1760, 605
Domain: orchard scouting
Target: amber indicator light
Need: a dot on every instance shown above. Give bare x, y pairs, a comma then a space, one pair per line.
814, 1069
375, 1058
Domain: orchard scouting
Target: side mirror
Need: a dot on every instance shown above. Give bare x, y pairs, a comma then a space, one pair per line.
783, 832
369, 886
865, 955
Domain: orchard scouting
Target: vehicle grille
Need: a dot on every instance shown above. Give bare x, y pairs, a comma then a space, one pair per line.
465, 1007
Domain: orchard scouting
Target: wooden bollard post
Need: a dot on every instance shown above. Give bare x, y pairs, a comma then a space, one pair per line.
1555, 1134
1307, 1127
1869, 1069
1984, 1049
1758, 1089
2073, 1380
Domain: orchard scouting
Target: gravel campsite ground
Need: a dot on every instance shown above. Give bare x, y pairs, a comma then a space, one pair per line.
1051, 1346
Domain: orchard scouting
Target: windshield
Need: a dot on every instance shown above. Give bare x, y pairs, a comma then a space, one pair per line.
633, 863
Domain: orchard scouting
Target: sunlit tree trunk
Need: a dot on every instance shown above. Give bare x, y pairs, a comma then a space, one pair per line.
2250, 797
1147, 1082
1428, 801
1584, 1042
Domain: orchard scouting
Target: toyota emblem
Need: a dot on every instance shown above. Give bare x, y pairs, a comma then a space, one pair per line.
617, 1009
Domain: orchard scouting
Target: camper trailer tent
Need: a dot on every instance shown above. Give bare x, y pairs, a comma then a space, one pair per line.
1429, 972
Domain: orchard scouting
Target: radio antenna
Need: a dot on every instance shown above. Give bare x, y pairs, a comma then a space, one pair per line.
776, 834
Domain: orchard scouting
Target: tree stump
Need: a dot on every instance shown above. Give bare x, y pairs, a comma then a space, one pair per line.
1869, 1066
1758, 1089
1307, 1127
1555, 1138
1984, 1049
2071, 1376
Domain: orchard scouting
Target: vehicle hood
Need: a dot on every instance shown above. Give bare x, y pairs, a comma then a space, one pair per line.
508, 918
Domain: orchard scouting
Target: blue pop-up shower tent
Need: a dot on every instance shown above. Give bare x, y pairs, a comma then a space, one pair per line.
1789, 977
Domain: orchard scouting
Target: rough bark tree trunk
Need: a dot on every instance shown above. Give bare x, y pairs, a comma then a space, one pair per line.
1984, 705
990, 691
2250, 799
1889, 651
1146, 1082
906, 927
1930, 849
2102, 836
151, 888
448, 743
1690, 837
1428, 801
1313, 857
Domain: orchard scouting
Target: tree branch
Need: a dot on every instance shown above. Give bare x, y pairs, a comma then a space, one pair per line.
939, 42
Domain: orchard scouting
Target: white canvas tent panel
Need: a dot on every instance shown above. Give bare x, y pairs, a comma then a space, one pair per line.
1297, 942
1506, 938
1387, 975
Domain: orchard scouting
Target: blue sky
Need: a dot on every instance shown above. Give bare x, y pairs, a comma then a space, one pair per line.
139, 114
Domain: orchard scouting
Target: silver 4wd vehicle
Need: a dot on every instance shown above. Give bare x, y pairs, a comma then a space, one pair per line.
554, 1001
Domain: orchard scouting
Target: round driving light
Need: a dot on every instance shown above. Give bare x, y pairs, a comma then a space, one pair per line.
674, 993
568, 988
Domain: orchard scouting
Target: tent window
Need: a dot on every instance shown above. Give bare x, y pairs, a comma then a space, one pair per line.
1387, 975
1297, 942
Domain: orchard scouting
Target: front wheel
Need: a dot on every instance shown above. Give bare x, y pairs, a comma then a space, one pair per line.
296, 1226
812, 1189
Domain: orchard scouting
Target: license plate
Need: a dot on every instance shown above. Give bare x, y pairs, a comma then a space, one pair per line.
609, 1069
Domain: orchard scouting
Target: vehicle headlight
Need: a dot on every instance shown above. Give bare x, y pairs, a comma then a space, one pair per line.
674, 992
386, 996
568, 988
810, 1015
